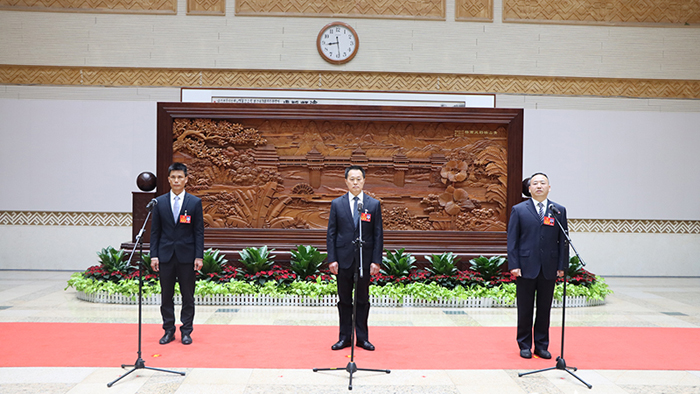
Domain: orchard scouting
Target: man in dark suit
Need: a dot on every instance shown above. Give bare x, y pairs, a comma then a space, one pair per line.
537, 254
177, 249
344, 257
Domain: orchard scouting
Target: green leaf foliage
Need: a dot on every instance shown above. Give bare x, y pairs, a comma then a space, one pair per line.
442, 264
306, 261
213, 262
398, 264
113, 260
255, 260
489, 268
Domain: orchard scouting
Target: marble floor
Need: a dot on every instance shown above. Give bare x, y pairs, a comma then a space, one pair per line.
40, 296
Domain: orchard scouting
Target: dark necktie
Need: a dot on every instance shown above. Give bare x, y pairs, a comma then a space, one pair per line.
356, 213
541, 211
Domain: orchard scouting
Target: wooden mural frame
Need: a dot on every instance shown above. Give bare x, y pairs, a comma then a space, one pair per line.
468, 244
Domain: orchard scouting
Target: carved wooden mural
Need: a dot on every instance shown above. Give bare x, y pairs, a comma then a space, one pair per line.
282, 173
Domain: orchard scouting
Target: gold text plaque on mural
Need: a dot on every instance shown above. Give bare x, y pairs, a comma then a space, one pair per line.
168, 7
618, 12
409, 9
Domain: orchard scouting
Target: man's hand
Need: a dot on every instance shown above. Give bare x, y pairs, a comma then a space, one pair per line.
198, 263
560, 273
333, 267
516, 272
154, 264
373, 269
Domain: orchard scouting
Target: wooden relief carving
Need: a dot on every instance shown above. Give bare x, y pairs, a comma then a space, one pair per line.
620, 12
283, 173
106, 6
474, 10
413, 9
206, 7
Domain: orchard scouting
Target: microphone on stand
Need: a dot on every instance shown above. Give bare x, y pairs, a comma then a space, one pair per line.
152, 204
554, 209
359, 207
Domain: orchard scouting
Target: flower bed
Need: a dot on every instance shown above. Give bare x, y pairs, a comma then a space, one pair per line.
399, 284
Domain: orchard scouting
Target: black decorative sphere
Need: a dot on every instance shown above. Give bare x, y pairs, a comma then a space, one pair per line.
146, 181
526, 187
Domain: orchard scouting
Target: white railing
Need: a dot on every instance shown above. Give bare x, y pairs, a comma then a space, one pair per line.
328, 300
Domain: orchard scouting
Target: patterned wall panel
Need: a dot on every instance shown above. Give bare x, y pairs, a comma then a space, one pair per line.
104, 6
28, 218
616, 12
407, 9
367, 81
206, 7
123, 219
635, 226
474, 10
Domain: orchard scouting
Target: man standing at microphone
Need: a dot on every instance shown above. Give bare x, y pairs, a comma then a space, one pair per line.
537, 254
177, 251
348, 213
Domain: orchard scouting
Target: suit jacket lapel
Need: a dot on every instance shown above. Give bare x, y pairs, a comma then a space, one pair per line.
346, 207
533, 210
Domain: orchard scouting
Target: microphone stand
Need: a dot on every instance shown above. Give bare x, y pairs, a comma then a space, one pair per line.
351, 368
140, 363
561, 363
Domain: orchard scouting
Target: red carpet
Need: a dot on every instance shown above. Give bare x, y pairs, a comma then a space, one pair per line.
302, 347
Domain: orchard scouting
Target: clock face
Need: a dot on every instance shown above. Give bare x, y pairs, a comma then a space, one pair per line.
337, 43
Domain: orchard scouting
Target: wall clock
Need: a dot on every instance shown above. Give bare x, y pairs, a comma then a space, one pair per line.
337, 43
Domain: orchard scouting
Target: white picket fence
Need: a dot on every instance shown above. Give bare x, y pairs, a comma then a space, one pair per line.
328, 300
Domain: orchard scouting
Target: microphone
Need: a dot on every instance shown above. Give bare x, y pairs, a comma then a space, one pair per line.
152, 204
554, 209
359, 207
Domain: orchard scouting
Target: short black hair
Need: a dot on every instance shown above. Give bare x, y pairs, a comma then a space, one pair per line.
537, 173
177, 167
350, 168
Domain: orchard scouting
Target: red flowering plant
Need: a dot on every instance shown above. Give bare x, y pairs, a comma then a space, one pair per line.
276, 274
381, 279
577, 275
324, 274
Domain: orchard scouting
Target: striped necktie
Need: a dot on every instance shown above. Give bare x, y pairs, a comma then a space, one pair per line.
541, 211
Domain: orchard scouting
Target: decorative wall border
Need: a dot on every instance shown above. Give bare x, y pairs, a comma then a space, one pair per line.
162, 7
474, 10
124, 219
343, 80
100, 219
681, 13
634, 226
385, 9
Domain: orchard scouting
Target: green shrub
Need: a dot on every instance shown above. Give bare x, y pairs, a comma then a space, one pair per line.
442, 264
255, 260
213, 262
113, 260
488, 268
306, 261
397, 264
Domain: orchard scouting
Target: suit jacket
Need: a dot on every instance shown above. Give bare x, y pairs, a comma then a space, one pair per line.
533, 245
184, 240
341, 232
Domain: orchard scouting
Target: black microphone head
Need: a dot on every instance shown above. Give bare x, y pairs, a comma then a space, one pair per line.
359, 206
154, 201
554, 209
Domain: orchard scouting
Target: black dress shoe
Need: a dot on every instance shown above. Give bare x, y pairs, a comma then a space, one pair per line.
167, 338
365, 345
525, 353
186, 339
543, 354
341, 344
